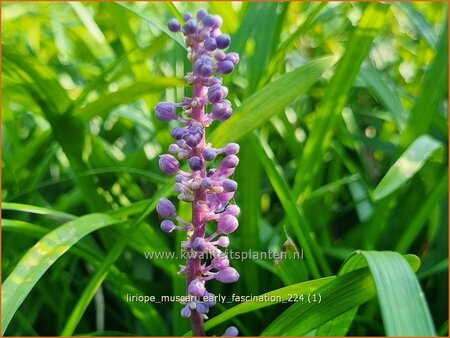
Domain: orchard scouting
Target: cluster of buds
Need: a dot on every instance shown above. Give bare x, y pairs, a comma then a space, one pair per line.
209, 189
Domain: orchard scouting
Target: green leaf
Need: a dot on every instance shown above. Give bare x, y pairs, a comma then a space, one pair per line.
336, 97
37, 210
411, 161
41, 256
389, 274
269, 101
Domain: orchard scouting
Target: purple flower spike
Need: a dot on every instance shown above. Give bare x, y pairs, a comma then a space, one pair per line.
227, 224
208, 189
223, 41
167, 226
174, 25
165, 111
227, 275
165, 208
231, 332
169, 164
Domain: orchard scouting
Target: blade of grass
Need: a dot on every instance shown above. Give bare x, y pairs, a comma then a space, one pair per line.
299, 223
41, 256
269, 101
336, 96
408, 164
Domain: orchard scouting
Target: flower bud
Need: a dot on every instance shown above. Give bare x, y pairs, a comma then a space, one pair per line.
229, 185
210, 301
167, 226
233, 57
219, 55
215, 80
220, 263
201, 15
206, 183
165, 208
186, 312
210, 44
231, 332
232, 148
197, 288
225, 66
223, 241
227, 224
221, 111
233, 209
210, 21
169, 164
187, 16
227, 275
198, 244
204, 66
174, 25
223, 41
165, 111
230, 161
202, 308
178, 133
195, 163
190, 27
209, 154
217, 93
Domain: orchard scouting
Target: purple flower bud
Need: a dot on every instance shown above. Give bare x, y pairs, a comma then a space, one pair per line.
227, 224
186, 312
223, 241
210, 302
167, 226
206, 183
217, 93
209, 154
225, 66
174, 25
187, 16
219, 55
221, 111
195, 163
229, 185
201, 15
198, 244
174, 148
215, 80
220, 263
202, 308
233, 209
169, 164
231, 332
223, 41
210, 44
233, 57
190, 27
203, 34
232, 148
193, 139
165, 208
197, 288
178, 133
210, 21
227, 275
204, 66
218, 22
230, 161
165, 111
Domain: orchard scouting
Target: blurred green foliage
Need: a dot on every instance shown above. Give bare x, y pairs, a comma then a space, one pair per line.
341, 113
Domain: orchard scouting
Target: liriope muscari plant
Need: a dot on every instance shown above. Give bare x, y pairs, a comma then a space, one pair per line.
208, 189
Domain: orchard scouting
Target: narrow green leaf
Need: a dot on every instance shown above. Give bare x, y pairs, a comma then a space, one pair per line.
37, 210
269, 101
409, 163
336, 96
41, 256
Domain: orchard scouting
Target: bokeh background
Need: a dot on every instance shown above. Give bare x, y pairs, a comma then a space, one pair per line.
340, 158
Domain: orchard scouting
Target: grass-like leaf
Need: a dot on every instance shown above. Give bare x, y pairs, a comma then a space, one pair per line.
407, 166
41, 257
